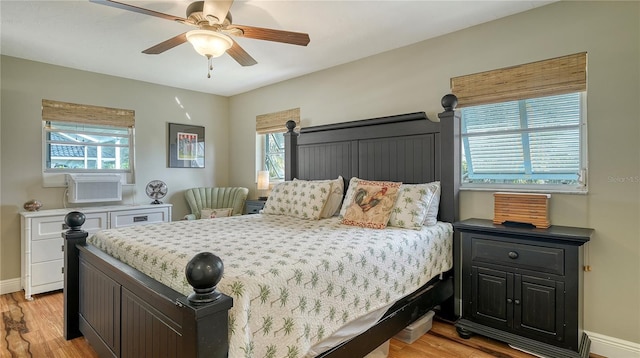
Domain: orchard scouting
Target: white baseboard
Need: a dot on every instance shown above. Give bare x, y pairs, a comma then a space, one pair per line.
611, 347
10, 286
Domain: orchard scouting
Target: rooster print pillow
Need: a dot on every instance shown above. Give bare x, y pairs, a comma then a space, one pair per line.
371, 204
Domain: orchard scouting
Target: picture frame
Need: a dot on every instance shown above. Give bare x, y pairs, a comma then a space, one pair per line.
185, 146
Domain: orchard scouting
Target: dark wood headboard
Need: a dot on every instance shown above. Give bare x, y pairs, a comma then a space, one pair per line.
408, 148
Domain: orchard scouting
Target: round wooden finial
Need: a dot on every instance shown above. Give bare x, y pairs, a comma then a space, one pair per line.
449, 102
74, 220
203, 272
290, 125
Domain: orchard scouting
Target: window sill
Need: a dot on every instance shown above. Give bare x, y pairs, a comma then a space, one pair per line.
551, 190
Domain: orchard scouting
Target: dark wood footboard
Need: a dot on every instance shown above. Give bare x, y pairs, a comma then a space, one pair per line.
124, 313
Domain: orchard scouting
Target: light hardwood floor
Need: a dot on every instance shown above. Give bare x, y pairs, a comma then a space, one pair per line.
34, 329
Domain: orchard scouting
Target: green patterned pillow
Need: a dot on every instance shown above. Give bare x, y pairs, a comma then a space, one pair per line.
300, 198
348, 198
335, 197
417, 205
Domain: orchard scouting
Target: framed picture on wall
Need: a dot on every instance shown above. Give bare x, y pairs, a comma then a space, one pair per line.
185, 146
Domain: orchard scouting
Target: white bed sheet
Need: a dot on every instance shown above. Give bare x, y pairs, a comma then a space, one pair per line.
294, 283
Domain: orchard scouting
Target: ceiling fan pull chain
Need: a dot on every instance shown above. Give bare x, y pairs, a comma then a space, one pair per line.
210, 67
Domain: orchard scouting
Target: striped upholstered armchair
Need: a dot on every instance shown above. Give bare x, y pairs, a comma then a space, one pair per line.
215, 198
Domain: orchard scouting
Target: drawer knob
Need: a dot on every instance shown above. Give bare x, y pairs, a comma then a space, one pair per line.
509, 301
513, 255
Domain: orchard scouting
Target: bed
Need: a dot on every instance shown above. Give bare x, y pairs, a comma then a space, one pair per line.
124, 312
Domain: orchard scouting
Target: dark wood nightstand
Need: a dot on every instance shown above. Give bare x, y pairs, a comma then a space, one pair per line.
253, 206
523, 286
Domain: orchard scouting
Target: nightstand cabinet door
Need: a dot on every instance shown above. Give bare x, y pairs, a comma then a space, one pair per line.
538, 310
490, 289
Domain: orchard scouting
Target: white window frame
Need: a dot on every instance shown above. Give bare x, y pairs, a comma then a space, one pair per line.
579, 188
55, 176
262, 154
87, 134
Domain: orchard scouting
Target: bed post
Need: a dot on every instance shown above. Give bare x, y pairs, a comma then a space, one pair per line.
290, 151
450, 159
72, 237
450, 185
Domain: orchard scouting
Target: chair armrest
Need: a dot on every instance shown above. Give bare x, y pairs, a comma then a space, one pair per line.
189, 217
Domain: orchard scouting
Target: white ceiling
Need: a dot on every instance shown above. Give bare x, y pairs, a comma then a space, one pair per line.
102, 39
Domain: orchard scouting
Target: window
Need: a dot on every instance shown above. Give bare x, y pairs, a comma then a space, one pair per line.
72, 147
270, 129
274, 155
80, 138
524, 127
530, 142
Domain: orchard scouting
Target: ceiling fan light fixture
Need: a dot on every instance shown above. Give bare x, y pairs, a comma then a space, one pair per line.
209, 43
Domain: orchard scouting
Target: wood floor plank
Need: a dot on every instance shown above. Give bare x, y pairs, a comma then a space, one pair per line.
33, 329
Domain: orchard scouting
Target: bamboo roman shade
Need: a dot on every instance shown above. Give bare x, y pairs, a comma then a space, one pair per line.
537, 79
82, 113
275, 122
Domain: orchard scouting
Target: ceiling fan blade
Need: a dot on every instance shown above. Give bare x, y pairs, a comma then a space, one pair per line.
216, 10
140, 10
240, 55
166, 45
259, 33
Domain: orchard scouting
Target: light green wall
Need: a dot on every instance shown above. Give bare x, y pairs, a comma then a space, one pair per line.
414, 78
26, 83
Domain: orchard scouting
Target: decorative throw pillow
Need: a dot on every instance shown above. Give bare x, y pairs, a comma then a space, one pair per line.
277, 203
208, 213
336, 194
433, 207
300, 198
415, 206
371, 204
351, 189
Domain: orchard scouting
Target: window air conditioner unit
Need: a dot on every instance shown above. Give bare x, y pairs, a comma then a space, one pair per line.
91, 188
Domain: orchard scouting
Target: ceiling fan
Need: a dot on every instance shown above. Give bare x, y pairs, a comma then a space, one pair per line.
214, 23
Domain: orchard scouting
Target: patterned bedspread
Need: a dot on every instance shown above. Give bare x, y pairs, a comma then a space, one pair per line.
294, 282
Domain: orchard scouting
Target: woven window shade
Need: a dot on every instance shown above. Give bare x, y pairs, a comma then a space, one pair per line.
82, 113
275, 122
537, 79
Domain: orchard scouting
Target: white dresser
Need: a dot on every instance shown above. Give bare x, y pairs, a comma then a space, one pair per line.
43, 247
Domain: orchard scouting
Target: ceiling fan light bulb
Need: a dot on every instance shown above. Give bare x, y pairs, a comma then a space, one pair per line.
209, 43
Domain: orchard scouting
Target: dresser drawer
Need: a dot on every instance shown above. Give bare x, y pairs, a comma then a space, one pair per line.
47, 250
138, 217
530, 257
47, 272
52, 226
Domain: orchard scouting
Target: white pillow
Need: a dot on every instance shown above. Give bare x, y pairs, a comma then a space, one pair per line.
299, 198
334, 201
348, 198
417, 205
207, 213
